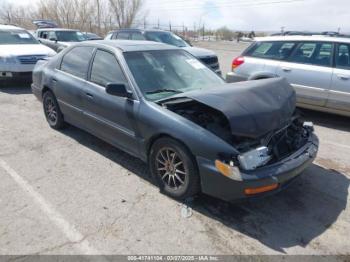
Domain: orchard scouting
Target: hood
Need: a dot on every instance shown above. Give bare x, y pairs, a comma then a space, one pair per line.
199, 52
253, 108
19, 50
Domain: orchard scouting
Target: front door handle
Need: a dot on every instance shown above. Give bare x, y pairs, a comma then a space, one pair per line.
343, 77
286, 69
89, 95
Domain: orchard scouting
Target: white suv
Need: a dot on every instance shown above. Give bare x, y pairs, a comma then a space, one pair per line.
19, 52
318, 67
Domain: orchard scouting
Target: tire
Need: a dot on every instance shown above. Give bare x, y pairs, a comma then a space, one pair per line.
173, 168
52, 111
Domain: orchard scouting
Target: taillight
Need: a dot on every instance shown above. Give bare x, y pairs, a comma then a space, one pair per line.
237, 62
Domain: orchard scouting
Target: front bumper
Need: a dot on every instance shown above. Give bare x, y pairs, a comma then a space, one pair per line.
8, 76
232, 77
215, 184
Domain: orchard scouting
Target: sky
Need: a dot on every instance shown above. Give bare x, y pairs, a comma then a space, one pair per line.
259, 15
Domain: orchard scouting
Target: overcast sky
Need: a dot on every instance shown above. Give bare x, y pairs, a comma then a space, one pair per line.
271, 15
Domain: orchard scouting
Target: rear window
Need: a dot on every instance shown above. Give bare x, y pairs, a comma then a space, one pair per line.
76, 61
123, 36
271, 50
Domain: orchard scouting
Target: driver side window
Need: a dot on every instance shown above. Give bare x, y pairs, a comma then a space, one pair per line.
106, 69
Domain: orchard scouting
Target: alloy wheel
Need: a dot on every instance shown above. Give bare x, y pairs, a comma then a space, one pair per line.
170, 168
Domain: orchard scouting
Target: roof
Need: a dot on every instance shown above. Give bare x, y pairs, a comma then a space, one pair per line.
57, 29
304, 38
10, 27
130, 45
138, 30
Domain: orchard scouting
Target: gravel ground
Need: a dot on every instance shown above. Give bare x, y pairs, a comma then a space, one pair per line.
70, 193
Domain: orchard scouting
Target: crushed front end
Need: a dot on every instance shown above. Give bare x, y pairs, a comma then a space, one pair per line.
271, 144
264, 166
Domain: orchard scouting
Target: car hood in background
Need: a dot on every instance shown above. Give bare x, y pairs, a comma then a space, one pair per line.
199, 52
253, 108
67, 44
19, 50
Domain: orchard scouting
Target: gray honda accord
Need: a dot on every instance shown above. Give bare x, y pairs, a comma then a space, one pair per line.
162, 105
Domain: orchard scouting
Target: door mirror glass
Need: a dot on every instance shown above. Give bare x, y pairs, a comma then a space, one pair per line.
117, 89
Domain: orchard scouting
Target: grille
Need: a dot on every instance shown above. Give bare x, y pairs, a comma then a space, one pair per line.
30, 59
210, 60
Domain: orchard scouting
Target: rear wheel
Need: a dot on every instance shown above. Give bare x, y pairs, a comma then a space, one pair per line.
173, 168
52, 111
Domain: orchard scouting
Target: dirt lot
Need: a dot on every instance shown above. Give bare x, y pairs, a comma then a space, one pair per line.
70, 193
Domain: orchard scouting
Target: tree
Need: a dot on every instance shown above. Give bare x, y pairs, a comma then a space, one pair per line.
224, 33
125, 11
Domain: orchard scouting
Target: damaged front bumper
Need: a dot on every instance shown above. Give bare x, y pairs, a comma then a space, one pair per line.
280, 173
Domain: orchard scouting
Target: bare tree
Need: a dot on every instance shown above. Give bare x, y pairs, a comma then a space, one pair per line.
125, 11
98, 16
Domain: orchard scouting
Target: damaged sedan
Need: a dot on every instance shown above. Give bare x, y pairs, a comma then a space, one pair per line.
162, 105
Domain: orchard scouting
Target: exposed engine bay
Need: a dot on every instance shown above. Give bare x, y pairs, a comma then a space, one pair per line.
254, 152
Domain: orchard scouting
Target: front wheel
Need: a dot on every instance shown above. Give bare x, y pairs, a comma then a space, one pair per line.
174, 169
52, 111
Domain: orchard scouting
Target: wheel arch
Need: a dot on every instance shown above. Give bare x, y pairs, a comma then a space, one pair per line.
45, 89
260, 76
156, 137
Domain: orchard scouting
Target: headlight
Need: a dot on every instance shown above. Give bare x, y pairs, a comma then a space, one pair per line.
8, 60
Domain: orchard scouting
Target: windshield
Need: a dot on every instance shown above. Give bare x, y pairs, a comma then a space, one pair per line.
16, 37
167, 38
163, 73
70, 36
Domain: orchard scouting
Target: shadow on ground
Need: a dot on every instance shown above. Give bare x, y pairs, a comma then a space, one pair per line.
15, 88
327, 120
290, 218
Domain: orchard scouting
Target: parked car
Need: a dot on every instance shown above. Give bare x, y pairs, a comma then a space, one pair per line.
162, 105
59, 38
19, 52
206, 56
318, 67
92, 36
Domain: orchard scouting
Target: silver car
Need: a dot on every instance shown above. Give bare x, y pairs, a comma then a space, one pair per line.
318, 67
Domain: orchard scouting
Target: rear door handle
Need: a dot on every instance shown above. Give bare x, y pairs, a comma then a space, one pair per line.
343, 77
286, 69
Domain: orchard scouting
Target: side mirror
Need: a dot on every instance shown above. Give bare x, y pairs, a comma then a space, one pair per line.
53, 39
117, 89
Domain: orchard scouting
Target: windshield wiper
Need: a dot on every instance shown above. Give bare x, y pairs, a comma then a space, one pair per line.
156, 91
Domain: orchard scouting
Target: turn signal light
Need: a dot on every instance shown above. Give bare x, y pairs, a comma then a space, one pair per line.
237, 62
257, 190
229, 171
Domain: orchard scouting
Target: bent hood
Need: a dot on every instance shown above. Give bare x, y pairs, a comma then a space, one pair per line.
253, 108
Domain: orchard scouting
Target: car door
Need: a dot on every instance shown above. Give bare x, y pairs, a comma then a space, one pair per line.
339, 94
263, 58
110, 117
69, 80
309, 70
